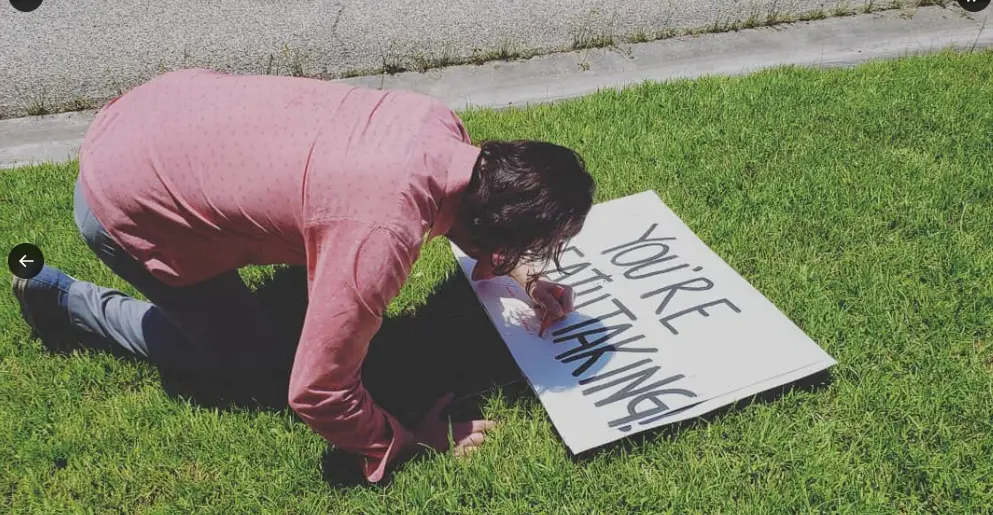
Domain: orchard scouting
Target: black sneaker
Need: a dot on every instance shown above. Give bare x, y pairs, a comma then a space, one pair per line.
44, 306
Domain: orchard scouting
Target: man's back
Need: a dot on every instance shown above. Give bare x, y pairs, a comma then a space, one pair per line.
198, 172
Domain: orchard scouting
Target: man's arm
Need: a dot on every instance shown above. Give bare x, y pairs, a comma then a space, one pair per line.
354, 271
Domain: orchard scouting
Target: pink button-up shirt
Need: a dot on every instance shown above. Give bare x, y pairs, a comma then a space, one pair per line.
196, 173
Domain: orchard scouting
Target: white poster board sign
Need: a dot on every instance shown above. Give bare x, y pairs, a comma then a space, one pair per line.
664, 330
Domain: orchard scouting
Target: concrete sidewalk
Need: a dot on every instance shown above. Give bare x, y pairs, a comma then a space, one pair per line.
832, 42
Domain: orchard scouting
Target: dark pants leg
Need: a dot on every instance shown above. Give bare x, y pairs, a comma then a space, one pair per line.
215, 328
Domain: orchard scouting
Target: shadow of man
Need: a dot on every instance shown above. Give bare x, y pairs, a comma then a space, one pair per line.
446, 345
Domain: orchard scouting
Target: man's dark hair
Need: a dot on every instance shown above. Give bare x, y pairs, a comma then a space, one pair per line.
525, 200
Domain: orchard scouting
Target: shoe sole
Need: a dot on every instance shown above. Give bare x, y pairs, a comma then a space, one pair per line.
49, 336
19, 286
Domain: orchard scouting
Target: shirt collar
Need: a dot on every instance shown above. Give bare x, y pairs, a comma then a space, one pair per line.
460, 169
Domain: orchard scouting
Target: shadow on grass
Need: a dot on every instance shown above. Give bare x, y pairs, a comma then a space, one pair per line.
447, 345
810, 384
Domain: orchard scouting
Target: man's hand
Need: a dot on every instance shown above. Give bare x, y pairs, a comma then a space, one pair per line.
552, 299
467, 436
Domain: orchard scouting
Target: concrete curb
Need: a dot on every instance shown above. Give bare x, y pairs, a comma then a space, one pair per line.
832, 42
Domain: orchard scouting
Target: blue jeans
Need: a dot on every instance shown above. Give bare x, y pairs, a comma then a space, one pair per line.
216, 328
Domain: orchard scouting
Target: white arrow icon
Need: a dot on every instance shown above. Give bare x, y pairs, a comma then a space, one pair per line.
24, 261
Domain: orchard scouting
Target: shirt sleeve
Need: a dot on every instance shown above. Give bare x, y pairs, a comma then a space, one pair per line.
354, 271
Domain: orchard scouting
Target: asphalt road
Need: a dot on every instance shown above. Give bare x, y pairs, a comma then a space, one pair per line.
76, 52
845, 41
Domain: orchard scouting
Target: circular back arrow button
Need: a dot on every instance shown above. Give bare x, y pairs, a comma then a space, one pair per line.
25, 6
25, 261
974, 6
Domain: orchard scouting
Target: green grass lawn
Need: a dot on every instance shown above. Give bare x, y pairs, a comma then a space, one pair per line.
859, 201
